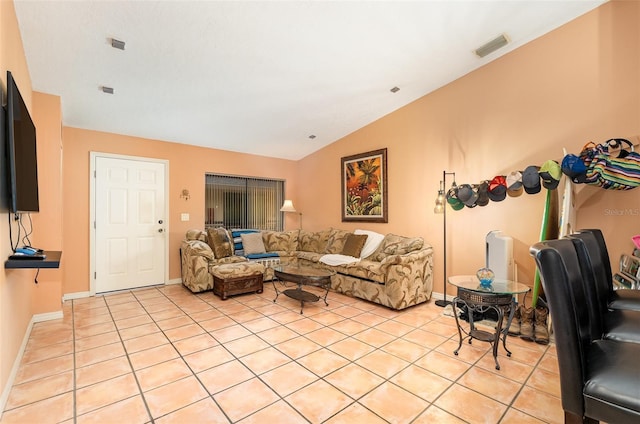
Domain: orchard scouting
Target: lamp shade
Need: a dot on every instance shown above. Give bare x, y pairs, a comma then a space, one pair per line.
287, 206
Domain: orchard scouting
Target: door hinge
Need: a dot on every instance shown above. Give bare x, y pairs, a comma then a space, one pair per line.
95, 275
95, 174
94, 225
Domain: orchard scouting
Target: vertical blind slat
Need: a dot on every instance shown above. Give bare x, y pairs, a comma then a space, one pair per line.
241, 202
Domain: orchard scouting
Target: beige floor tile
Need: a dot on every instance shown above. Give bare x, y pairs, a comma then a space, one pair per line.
99, 354
374, 337
162, 373
351, 349
304, 326
46, 368
354, 380
442, 328
206, 315
132, 408
208, 358
102, 371
545, 381
97, 341
491, 385
227, 334
369, 319
298, 347
433, 414
288, 378
92, 330
166, 314
245, 316
509, 368
420, 382
286, 316
549, 362
277, 335
138, 331
203, 411
51, 351
175, 322
327, 318
404, 349
325, 336
145, 342
183, 332
394, 327
105, 393
278, 412
424, 338
155, 355
265, 360
195, 343
355, 413
322, 362
347, 311
236, 404
260, 324
174, 396
469, 353
223, 376
327, 401
245, 345
349, 327
385, 399
39, 389
513, 416
382, 363
53, 409
540, 405
469, 405
443, 365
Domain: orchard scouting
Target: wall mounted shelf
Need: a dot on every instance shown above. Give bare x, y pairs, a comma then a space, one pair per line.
52, 260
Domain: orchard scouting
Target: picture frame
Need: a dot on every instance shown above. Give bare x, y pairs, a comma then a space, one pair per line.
364, 187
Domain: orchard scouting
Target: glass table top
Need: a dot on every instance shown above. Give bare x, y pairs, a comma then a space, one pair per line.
471, 282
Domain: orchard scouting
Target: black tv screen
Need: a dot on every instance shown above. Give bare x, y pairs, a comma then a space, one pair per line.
21, 153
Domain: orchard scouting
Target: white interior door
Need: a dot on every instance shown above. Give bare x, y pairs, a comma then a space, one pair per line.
130, 223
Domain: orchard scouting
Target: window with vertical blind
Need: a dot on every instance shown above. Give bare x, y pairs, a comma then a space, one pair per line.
243, 202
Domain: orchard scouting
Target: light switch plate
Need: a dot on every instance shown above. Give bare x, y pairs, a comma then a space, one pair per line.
184, 217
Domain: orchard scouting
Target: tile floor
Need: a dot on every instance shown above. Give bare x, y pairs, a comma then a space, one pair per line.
163, 355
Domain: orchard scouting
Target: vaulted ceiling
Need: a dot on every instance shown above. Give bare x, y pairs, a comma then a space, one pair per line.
273, 78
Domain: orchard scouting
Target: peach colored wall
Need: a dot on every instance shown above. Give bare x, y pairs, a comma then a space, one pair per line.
187, 167
47, 294
15, 285
576, 84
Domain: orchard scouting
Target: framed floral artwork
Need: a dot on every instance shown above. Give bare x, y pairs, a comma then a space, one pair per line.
364, 187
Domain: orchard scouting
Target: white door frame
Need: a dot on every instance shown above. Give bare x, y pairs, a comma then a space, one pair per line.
92, 211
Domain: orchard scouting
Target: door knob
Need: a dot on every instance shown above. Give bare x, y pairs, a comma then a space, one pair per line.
160, 230
160, 221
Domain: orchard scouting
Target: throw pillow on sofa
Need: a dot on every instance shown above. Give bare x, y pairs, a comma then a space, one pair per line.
252, 243
354, 244
220, 242
397, 245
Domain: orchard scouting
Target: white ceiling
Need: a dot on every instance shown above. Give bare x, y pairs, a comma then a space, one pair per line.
261, 76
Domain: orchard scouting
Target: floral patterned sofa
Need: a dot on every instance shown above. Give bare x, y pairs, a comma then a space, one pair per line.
398, 274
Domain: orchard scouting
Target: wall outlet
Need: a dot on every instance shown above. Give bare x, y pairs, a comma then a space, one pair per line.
184, 217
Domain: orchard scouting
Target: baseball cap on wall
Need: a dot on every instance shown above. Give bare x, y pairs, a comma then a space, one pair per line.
514, 184
550, 172
452, 198
483, 194
467, 195
531, 180
498, 188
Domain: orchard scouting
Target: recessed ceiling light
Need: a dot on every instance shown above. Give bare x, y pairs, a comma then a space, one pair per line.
394, 90
493, 45
117, 44
108, 90
312, 136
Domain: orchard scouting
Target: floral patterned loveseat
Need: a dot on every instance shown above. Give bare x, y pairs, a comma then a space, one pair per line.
398, 274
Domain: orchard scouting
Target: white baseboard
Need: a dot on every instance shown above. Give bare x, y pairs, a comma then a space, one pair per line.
77, 295
16, 363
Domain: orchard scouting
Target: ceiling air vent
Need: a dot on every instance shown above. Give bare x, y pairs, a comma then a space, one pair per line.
493, 45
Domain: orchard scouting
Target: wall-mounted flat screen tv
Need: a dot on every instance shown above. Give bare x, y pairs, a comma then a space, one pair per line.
21, 153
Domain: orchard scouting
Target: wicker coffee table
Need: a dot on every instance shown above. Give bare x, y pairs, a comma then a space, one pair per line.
303, 276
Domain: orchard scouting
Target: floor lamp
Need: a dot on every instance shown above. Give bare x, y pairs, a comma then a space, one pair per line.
287, 206
441, 207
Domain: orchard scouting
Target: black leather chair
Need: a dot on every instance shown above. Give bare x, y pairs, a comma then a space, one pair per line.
614, 324
614, 299
599, 379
